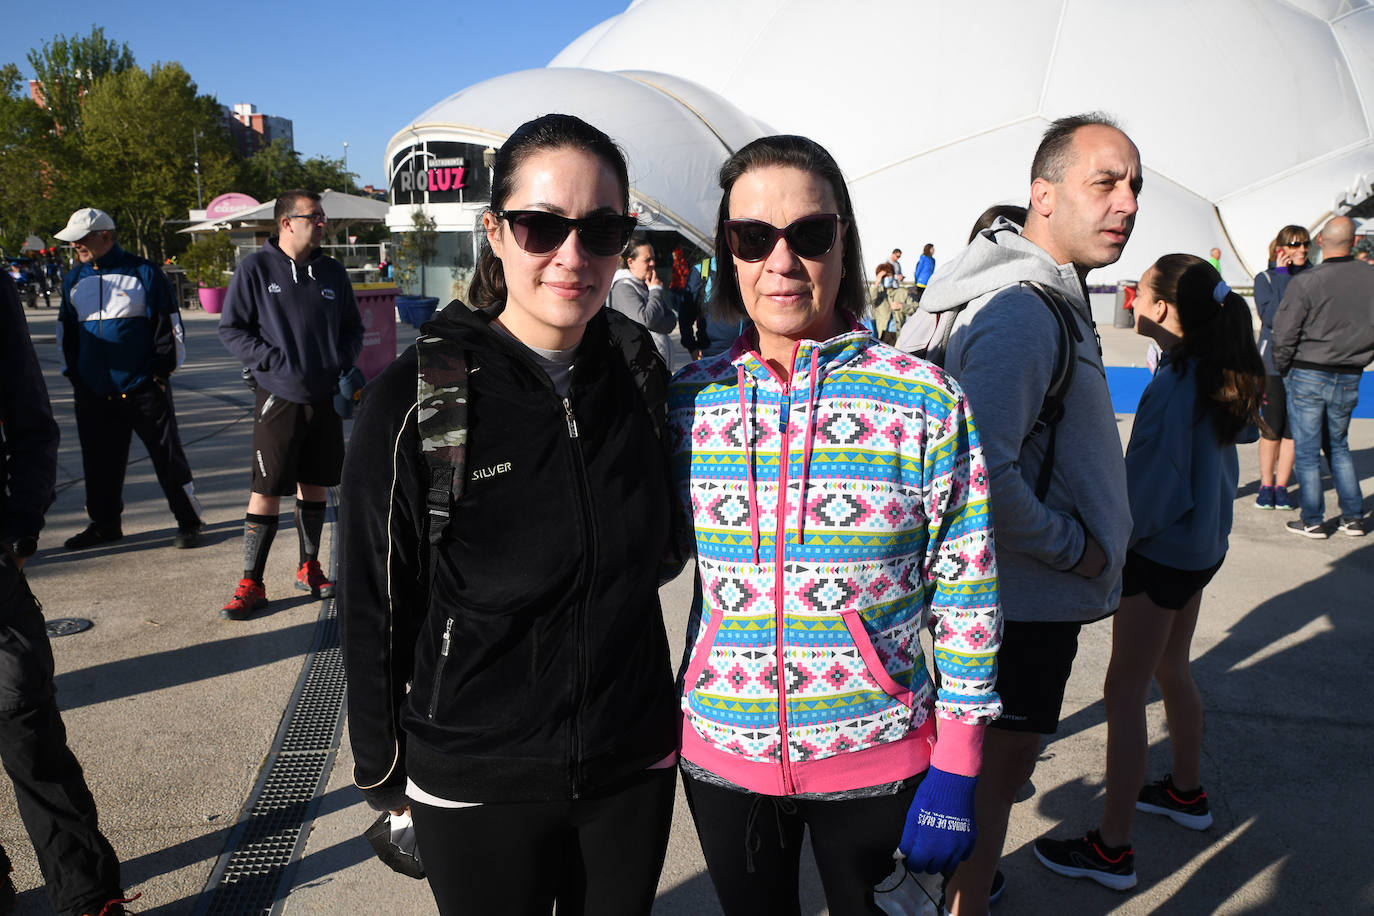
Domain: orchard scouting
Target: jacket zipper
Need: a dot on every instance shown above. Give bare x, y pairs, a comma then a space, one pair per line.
779, 556
439, 668
580, 620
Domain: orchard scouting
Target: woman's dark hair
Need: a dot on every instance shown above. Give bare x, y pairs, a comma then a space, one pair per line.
884, 268
989, 216
805, 154
632, 249
1219, 336
929, 249
550, 132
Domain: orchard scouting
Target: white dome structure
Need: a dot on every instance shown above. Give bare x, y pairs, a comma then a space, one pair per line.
1249, 114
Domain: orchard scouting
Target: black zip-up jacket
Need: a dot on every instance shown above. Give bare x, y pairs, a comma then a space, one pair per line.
28, 433
539, 669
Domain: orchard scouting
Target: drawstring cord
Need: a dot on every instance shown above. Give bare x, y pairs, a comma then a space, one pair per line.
752, 841
812, 399
745, 413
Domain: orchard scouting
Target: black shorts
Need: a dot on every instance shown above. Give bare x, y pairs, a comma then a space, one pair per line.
1273, 420
1164, 585
295, 443
1033, 668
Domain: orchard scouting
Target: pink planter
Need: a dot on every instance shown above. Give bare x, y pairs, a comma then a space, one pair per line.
212, 298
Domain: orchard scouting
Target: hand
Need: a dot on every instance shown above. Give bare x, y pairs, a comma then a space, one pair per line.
940, 829
652, 280
1281, 257
1094, 558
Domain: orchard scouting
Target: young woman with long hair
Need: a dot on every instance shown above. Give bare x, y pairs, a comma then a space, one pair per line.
1181, 474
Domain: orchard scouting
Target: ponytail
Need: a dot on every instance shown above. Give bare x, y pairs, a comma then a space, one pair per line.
1218, 338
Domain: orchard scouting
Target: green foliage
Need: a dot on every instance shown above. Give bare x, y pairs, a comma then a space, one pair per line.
67, 68
416, 249
209, 259
137, 150
276, 168
32, 159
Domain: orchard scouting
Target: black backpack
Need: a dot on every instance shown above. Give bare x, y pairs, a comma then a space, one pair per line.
1065, 358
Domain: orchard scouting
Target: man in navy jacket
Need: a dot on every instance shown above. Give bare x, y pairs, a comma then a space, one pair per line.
121, 338
291, 318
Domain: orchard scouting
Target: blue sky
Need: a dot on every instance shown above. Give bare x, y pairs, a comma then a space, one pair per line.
345, 70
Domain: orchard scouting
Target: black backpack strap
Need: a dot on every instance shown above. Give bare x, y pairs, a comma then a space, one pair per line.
441, 397
634, 345
1065, 359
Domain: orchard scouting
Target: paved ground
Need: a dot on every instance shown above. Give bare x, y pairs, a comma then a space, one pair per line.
172, 710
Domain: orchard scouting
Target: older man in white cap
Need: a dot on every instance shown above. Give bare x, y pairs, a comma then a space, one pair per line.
121, 338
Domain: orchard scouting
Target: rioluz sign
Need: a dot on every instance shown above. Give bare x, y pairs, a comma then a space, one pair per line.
439, 171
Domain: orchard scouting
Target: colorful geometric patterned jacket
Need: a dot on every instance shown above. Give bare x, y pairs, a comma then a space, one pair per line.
885, 514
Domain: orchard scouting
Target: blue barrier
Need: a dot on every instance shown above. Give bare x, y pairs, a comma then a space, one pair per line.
1127, 382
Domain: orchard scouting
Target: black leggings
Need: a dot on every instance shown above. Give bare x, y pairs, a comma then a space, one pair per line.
753, 844
600, 855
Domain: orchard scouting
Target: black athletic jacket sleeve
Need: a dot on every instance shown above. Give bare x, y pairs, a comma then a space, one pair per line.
28, 461
381, 577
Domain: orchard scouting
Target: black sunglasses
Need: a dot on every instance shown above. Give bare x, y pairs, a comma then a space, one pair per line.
810, 237
316, 218
540, 232
1303, 244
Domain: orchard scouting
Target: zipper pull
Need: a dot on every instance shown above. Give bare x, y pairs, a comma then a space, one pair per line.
448, 638
572, 420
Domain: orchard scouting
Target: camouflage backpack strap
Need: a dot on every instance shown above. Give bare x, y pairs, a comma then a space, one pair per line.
442, 400
636, 348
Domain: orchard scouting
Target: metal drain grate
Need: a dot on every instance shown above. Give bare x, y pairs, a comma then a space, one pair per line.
254, 873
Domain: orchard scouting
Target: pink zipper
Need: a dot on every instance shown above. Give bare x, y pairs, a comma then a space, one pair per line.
779, 554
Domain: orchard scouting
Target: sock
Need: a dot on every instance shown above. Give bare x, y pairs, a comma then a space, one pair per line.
309, 524
258, 532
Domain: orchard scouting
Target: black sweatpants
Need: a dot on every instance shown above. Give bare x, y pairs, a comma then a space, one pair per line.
77, 862
598, 856
752, 845
105, 426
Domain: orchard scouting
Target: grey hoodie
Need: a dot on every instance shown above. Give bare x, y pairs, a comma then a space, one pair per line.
632, 297
1002, 352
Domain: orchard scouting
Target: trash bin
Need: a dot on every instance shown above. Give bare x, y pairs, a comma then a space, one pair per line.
416, 310
1124, 316
377, 304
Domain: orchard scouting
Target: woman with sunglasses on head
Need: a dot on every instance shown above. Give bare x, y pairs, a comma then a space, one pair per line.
839, 496
1289, 258
510, 683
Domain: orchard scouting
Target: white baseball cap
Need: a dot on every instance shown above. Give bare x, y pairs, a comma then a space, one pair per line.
84, 222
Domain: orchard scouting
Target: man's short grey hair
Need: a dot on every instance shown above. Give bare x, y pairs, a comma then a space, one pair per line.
1055, 153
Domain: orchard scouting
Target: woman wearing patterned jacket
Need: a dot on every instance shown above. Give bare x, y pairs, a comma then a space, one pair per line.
838, 493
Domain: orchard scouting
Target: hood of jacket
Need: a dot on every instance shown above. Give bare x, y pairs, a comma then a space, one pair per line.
996, 258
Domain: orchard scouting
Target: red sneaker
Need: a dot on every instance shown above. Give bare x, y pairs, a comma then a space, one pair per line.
248, 597
310, 578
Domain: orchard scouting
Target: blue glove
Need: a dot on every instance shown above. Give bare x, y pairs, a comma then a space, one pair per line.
940, 829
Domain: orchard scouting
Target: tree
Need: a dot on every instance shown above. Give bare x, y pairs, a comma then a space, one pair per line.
67, 68
32, 159
276, 168
137, 149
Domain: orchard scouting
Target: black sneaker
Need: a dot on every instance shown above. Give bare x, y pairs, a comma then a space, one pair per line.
93, 535
1308, 531
188, 536
1087, 857
1163, 797
1352, 526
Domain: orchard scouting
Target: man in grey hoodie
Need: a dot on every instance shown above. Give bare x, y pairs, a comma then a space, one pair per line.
1059, 561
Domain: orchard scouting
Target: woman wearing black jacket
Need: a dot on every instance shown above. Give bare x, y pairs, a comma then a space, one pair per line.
518, 698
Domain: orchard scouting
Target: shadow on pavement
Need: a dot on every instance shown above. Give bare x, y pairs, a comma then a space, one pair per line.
1285, 760
131, 676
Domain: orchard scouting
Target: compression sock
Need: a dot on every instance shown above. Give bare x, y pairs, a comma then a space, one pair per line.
309, 524
258, 532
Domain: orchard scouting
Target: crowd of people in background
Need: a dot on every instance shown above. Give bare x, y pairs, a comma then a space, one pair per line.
520, 706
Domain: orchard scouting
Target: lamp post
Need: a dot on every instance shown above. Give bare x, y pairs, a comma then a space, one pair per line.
347, 185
